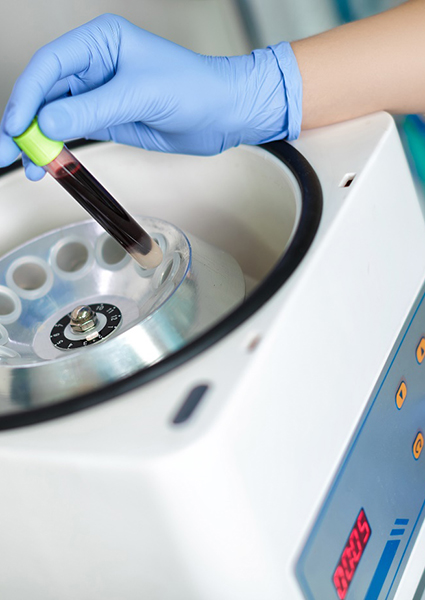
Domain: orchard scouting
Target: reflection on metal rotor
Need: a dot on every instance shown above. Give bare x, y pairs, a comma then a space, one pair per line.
90, 315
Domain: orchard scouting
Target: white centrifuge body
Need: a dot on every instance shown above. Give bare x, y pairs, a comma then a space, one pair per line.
252, 485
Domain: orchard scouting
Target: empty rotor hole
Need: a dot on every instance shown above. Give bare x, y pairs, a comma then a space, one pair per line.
72, 257
112, 252
7, 305
29, 276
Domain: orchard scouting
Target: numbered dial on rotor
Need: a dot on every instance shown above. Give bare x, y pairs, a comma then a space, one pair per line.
108, 318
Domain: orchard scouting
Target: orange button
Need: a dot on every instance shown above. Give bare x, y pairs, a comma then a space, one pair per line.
401, 394
420, 351
418, 445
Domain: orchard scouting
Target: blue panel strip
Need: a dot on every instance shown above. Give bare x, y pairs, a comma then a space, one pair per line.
382, 569
407, 546
397, 531
301, 567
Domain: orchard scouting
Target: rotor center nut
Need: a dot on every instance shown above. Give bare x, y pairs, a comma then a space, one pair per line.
83, 318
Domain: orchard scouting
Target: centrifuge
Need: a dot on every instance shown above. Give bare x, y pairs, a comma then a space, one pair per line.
244, 421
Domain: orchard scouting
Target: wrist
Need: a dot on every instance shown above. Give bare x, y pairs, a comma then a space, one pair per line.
270, 95
292, 84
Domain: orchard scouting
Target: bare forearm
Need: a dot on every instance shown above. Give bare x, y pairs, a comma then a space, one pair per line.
374, 64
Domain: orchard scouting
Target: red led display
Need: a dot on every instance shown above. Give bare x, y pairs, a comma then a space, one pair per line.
351, 555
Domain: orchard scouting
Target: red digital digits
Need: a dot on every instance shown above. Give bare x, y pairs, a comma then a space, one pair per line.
351, 555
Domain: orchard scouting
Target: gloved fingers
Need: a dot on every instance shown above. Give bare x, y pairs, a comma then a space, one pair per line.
68, 55
31, 88
101, 135
203, 142
60, 89
79, 116
66, 87
32, 172
143, 136
140, 135
133, 134
9, 151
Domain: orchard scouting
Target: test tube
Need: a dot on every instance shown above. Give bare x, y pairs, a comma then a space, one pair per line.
60, 163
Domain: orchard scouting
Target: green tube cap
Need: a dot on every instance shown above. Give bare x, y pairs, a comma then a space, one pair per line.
39, 148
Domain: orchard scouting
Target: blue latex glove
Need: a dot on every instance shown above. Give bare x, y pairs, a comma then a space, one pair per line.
111, 80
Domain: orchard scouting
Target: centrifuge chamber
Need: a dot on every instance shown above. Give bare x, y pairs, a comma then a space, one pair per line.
243, 461
147, 314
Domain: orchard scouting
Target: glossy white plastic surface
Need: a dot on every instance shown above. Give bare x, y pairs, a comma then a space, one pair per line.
116, 501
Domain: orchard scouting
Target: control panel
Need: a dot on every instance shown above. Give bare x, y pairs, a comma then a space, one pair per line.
364, 534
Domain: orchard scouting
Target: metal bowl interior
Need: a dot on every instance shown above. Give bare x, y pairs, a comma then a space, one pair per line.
134, 317
261, 207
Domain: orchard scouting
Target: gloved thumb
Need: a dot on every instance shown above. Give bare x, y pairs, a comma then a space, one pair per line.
78, 116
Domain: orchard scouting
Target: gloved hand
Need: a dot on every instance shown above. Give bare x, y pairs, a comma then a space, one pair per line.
111, 80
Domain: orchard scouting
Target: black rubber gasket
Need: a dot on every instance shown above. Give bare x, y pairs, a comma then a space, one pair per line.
311, 211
